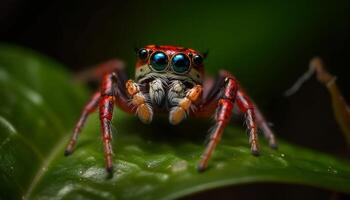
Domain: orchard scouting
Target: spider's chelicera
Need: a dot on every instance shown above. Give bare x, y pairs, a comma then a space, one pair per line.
171, 79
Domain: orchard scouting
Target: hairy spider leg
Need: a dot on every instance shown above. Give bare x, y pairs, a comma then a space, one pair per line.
260, 121
231, 94
213, 87
247, 107
265, 128
222, 117
111, 92
88, 109
106, 105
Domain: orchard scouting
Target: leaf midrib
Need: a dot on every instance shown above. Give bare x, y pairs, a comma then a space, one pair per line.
56, 150
43, 167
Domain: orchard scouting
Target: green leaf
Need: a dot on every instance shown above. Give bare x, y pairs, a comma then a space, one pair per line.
40, 103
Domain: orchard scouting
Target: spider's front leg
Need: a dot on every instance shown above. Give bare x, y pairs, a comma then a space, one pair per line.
106, 105
229, 95
111, 92
105, 99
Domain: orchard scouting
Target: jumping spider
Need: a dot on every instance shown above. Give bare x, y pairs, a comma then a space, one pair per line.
171, 79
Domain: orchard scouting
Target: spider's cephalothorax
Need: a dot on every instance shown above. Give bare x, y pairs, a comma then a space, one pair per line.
171, 80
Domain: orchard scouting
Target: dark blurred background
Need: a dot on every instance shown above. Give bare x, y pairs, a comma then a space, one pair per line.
267, 45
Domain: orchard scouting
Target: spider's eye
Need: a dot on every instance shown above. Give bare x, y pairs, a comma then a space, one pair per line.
142, 54
197, 59
159, 61
180, 63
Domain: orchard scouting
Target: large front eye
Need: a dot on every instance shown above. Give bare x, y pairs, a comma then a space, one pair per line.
180, 63
159, 61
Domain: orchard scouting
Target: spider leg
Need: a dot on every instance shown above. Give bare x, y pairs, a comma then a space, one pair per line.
247, 107
250, 109
228, 92
263, 125
222, 117
93, 73
88, 109
106, 105
210, 94
112, 92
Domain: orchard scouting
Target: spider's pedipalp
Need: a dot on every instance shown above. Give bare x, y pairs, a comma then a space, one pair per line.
180, 111
145, 113
139, 101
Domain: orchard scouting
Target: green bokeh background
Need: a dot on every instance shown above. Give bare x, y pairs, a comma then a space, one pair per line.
265, 44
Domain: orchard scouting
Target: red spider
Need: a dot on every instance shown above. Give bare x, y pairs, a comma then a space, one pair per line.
171, 79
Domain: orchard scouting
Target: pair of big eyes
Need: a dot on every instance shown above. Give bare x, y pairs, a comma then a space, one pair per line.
180, 63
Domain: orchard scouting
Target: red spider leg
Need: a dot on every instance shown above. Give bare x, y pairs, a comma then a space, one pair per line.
263, 125
247, 107
88, 109
261, 122
106, 100
112, 91
213, 89
222, 117
96, 73
106, 105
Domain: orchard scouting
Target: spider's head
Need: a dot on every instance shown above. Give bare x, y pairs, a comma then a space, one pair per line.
170, 61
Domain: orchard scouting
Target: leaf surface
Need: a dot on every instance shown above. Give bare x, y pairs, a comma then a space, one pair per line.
40, 104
